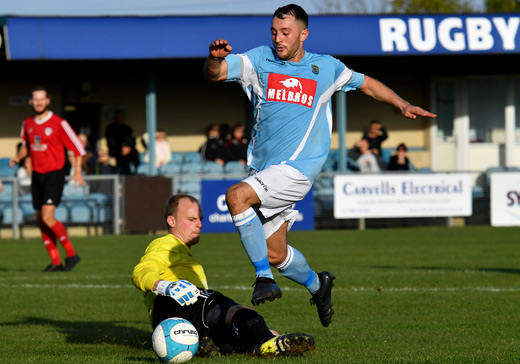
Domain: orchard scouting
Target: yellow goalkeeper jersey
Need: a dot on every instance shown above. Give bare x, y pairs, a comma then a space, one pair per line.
166, 258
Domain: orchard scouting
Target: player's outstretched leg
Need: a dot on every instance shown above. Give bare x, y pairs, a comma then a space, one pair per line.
322, 298
266, 289
252, 237
295, 268
288, 344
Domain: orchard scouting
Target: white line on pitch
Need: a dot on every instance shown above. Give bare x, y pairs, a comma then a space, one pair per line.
396, 289
247, 288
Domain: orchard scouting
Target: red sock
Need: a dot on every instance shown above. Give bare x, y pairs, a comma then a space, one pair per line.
61, 234
49, 244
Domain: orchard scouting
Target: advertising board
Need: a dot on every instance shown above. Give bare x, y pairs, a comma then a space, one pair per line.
218, 219
402, 195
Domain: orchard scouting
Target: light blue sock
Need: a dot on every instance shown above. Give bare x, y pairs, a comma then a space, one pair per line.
295, 268
253, 239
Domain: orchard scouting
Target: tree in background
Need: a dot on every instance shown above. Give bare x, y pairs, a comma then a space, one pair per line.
502, 5
414, 6
354, 6
409, 6
433, 6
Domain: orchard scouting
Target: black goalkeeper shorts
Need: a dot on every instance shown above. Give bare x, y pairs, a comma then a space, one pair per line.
208, 314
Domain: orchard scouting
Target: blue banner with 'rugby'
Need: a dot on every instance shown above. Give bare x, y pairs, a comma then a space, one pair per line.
218, 219
340, 35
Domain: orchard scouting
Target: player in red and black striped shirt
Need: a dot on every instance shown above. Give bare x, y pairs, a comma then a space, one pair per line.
45, 137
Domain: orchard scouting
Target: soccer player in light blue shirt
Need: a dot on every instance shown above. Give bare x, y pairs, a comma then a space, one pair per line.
290, 90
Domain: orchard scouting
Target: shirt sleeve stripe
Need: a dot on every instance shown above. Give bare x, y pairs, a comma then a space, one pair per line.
73, 137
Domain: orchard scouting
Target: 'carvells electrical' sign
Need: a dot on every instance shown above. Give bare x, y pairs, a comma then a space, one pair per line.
453, 34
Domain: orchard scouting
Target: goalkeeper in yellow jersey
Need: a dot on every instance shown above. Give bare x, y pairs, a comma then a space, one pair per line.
175, 285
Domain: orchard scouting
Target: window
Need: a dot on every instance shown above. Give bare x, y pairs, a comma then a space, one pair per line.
486, 109
517, 109
445, 100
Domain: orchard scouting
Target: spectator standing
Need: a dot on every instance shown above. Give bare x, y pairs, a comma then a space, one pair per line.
399, 161
163, 150
88, 161
237, 144
375, 136
45, 136
24, 175
214, 149
104, 164
367, 161
129, 160
121, 144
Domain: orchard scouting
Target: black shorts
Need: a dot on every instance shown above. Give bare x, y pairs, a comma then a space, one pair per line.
208, 315
47, 188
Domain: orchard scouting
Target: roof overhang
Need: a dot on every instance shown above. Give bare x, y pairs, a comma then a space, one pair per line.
99, 38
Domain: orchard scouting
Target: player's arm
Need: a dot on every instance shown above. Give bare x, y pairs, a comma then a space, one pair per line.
146, 274
377, 90
215, 67
77, 176
22, 153
147, 277
72, 143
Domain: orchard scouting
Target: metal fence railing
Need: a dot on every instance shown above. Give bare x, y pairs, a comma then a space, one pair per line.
95, 206
98, 205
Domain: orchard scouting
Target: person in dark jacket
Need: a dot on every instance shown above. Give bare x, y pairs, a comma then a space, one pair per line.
399, 161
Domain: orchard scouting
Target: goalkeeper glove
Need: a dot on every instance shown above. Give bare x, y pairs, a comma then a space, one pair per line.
181, 291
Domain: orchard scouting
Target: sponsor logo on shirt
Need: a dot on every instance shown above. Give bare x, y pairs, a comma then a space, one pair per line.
37, 145
294, 90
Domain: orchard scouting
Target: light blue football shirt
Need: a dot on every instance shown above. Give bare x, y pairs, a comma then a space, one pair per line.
292, 107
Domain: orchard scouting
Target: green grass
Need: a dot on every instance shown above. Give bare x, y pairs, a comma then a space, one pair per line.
414, 295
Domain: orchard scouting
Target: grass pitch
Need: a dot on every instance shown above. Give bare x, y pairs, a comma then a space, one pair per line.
414, 295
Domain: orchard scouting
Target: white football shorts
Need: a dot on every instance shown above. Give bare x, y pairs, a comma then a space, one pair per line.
278, 187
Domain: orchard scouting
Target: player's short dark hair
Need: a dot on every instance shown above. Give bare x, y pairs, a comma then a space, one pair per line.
173, 204
38, 88
294, 10
402, 145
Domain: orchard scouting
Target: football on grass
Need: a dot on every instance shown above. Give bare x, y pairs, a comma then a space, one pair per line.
175, 340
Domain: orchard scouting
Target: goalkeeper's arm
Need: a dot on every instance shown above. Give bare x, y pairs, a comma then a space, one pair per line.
181, 291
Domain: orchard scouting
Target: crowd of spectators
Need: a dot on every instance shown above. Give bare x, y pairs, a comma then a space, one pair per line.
120, 155
367, 152
223, 145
